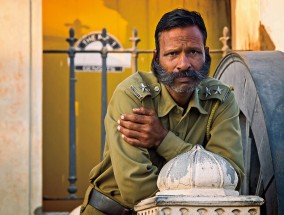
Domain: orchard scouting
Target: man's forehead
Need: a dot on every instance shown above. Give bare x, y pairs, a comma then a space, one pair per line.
191, 29
182, 34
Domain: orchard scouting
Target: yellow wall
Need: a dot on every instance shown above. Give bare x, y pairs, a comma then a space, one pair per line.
119, 17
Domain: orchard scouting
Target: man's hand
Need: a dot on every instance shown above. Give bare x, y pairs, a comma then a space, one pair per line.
142, 128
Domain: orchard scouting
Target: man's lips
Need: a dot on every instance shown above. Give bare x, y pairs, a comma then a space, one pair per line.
183, 79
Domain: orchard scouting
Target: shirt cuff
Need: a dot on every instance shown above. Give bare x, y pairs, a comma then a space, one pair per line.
170, 146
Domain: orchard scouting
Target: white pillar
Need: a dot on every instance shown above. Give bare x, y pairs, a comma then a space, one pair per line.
198, 182
20, 106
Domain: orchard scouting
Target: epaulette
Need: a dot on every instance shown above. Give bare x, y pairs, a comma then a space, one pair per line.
213, 90
143, 84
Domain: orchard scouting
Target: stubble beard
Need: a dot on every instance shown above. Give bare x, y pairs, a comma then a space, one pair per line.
168, 78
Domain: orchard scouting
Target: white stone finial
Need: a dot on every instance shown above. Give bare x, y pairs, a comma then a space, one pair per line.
198, 172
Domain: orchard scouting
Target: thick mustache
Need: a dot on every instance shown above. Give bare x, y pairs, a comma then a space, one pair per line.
190, 73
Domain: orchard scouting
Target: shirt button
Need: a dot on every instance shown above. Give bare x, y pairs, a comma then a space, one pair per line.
156, 88
178, 111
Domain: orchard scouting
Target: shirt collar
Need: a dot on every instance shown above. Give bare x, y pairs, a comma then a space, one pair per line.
166, 103
195, 102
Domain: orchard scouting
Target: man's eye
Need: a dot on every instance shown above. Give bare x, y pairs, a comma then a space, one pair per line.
193, 52
172, 54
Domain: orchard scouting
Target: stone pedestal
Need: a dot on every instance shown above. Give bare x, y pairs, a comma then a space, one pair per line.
198, 183
197, 205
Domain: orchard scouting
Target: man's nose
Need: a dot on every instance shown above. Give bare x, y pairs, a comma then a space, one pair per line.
183, 63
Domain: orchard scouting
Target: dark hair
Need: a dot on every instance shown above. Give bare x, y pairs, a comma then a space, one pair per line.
179, 18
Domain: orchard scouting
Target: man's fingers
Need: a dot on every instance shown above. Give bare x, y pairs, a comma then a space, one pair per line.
128, 130
140, 115
142, 128
130, 136
129, 125
135, 118
144, 111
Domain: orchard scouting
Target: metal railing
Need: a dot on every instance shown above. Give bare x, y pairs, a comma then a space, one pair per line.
134, 51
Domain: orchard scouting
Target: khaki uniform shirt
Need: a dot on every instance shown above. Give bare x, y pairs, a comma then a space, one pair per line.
129, 174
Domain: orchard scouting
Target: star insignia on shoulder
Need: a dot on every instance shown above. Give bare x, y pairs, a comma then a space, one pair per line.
208, 92
144, 88
218, 90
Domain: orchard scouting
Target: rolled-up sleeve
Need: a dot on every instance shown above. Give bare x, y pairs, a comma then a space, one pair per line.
172, 146
134, 172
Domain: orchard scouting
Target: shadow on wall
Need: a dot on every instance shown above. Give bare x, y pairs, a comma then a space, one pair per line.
78, 27
265, 42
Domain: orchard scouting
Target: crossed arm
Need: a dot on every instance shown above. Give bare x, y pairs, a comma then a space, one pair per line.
142, 128
139, 128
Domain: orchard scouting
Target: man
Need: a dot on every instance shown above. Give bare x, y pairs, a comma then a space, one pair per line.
153, 117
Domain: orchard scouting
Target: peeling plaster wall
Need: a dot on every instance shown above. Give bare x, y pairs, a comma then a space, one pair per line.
257, 25
245, 22
20, 106
272, 18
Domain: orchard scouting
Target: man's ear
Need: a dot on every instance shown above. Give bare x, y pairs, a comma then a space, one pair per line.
206, 49
155, 55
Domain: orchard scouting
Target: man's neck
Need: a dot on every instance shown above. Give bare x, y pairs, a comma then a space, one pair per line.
182, 99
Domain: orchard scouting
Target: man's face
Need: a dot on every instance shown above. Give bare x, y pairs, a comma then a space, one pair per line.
181, 61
